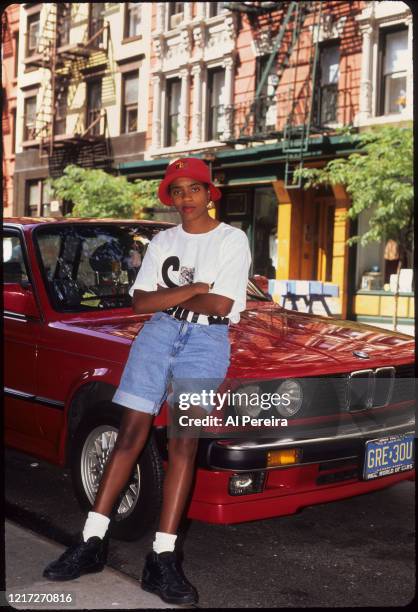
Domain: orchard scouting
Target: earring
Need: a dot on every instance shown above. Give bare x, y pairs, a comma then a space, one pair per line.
210, 205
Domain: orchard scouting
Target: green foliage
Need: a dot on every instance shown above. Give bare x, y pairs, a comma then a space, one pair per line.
96, 193
379, 177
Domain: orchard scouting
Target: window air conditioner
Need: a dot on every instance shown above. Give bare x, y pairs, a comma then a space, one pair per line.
175, 20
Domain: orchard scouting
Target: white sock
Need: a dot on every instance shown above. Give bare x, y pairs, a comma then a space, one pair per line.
96, 525
163, 542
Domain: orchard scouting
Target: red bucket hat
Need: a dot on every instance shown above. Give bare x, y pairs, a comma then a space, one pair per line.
188, 167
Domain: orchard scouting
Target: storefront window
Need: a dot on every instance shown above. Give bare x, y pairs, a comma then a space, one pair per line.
265, 232
254, 211
370, 261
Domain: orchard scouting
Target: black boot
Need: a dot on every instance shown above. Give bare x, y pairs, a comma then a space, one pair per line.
80, 558
163, 576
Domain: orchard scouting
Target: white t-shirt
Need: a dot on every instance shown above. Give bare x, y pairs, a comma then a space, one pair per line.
175, 257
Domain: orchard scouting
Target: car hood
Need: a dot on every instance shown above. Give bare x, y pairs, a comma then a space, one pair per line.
270, 340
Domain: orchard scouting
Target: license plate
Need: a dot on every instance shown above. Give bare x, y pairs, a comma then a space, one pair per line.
391, 455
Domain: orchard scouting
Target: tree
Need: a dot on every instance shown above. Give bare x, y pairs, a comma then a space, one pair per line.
380, 178
96, 193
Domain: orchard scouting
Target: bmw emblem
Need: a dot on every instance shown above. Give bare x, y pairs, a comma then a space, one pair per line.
361, 354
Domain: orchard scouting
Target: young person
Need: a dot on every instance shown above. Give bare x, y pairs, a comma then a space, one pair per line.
193, 278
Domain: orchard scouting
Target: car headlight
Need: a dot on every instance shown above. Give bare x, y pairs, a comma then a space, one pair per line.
246, 401
291, 397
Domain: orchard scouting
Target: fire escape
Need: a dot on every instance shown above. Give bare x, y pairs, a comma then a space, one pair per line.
253, 122
89, 144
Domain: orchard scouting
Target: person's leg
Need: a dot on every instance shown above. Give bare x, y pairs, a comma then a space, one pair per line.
89, 554
179, 475
141, 391
132, 435
162, 573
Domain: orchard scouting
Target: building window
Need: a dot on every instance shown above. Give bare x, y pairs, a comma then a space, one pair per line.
216, 8
13, 113
38, 198
29, 118
63, 23
94, 105
325, 102
61, 111
130, 102
175, 14
265, 107
16, 50
216, 109
132, 19
96, 22
46, 196
173, 111
394, 58
32, 34
33, 198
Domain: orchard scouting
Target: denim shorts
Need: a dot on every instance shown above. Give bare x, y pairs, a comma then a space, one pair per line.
166, 351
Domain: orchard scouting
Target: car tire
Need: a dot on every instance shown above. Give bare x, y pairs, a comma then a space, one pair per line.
139, 504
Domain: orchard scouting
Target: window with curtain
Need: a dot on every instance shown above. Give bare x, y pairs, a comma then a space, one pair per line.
173, 111
132, 19
394, 61
216, 107
266, 106
32, 34
29, 120
326, 89
130, 102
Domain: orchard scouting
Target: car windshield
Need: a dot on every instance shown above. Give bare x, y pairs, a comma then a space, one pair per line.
88, 267
91, 267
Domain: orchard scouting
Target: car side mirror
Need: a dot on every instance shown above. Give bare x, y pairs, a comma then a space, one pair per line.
261, 282
18, 298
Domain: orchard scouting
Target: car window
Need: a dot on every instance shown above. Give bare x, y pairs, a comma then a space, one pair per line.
91, 266
14, 266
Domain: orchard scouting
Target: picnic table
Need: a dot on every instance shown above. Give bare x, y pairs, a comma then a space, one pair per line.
309, 291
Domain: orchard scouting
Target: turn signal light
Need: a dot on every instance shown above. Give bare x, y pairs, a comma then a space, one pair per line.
283, 457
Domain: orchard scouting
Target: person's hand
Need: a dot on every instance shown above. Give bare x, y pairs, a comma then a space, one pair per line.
203, 287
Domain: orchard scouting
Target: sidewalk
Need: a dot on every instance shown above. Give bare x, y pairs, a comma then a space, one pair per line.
28, 553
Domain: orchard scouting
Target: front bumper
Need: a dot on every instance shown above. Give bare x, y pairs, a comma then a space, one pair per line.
331, 469
245, 456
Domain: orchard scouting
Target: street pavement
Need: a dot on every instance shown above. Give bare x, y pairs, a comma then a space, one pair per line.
358, 552
104, 590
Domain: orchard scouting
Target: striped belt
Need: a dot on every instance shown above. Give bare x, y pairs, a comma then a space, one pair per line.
182, 314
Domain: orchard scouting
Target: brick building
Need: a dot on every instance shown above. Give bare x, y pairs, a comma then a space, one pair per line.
10, 45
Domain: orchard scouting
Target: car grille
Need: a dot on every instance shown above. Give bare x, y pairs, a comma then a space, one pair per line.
373, 388
367, 389
404, 388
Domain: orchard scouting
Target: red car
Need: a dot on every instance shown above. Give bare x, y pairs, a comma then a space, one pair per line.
68, 328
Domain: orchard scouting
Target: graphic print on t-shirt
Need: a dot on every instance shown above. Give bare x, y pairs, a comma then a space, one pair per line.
186, 275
